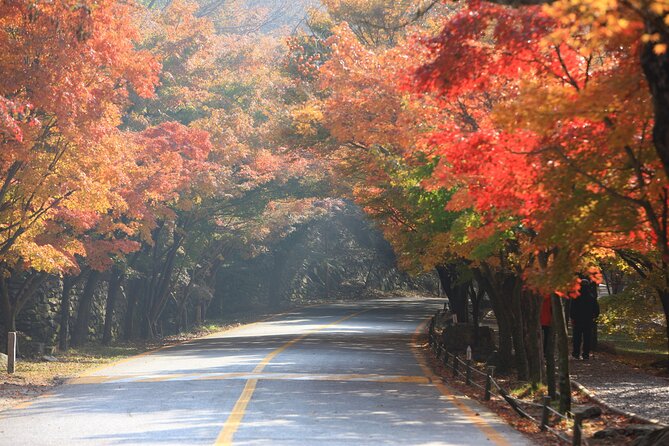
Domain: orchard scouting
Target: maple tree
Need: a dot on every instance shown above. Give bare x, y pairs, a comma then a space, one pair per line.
62, 94
575, 166
514, 147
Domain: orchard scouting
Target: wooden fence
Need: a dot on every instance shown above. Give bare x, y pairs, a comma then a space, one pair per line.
547, 418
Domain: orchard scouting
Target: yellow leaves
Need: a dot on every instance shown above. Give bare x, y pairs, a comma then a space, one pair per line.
592, 23
659, 7
660, 48
655, 37
306, 119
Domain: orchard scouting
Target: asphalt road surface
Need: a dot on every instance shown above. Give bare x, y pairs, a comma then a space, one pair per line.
340, 374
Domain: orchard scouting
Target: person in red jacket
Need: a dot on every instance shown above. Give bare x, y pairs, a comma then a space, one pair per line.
546, 319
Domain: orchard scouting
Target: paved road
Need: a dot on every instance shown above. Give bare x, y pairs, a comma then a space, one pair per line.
342, 374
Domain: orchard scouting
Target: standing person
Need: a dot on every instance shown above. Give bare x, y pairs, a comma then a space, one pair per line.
584, 311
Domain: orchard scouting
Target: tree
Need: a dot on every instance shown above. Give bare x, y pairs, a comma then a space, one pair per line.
60, 142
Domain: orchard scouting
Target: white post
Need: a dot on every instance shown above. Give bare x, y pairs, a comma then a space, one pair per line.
469, 352
455, 318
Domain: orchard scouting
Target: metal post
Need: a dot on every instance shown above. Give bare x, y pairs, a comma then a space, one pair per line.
11, 352
488, 383
468, 379
578, 426
545, 413
455, 365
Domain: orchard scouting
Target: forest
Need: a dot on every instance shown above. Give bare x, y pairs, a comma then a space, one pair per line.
165, 162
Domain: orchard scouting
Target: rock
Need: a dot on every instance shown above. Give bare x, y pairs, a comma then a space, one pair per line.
631, 430
49, 358
659, 437
634, 430
588, 411
606, 433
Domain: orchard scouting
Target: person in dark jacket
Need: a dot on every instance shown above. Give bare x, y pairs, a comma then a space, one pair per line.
584, 311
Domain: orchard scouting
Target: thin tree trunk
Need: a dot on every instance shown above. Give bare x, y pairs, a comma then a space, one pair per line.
134, 288
550, 362
522, 367
112, 297
64, 330
160, 291
13, 301
80, 334
531, 315
9, 316
664, 298
560, 324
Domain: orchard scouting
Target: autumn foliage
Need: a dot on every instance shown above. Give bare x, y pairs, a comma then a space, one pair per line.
516, 147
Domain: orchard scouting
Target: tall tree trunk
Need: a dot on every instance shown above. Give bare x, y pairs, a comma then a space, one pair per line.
8, 314
664, 298
113, 291
493, 288
275, 284
475, 297
560, 324
80, 334
531, 306
550, 362
64, 330
134, 288
656, 68
13, 298
518, 332
159, 291
457, 293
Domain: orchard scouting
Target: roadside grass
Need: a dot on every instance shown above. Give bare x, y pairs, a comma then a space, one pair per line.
633, 351
627, 345
528, 391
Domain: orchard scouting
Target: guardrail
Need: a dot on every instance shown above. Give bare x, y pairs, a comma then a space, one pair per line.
545, 417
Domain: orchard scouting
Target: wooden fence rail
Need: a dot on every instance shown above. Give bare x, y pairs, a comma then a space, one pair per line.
466, 371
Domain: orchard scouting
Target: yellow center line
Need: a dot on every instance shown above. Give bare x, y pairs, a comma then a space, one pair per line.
237, 415
492, 434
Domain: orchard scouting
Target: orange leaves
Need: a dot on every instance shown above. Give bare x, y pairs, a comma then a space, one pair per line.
62, 158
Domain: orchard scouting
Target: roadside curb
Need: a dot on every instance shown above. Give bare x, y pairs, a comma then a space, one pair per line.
636, 417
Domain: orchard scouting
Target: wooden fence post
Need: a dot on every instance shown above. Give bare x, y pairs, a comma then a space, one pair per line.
468, 376
580, 414
11, 352
544, 412
488, 383
578, 426
455, 365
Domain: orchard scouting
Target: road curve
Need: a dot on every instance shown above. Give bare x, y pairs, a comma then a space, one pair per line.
339, 374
